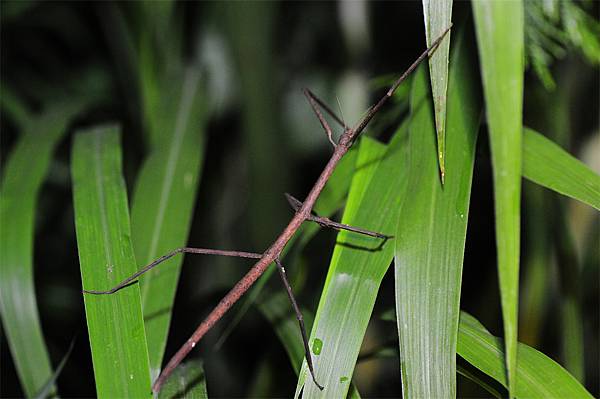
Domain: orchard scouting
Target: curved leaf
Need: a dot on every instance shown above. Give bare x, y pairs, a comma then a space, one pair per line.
24, 174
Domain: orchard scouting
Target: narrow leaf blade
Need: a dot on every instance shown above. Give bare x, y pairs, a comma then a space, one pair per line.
115, 321
431, 233
548, 165
24, 174
163, 202
438, 16
499, 26
355, 273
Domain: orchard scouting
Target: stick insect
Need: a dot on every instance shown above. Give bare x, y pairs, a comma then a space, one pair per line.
303, 212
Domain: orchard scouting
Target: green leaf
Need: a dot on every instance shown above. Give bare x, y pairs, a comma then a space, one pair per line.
438, 16
537, 376
357, 267
499, 28
431, 233
548, 165
115, 322
163, 202
187, 382
24, 173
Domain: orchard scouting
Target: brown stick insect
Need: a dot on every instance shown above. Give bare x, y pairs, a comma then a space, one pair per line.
303, 212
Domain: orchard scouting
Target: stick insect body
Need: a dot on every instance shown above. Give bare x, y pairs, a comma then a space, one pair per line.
303, 212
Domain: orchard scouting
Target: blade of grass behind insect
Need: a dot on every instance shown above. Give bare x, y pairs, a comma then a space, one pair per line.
431, 233
537, 375
163, 201
369, 155
356, 269
438, 16
115, 322
548, 165
500, 37
188, 381
250, 28
23, 175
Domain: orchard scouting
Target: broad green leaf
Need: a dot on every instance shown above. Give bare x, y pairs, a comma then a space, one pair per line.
438, 16
278, 310
499, 28
432, 226
537, 376
115, 322
23, 175
187, 382
163, 202
548, 165
357, 267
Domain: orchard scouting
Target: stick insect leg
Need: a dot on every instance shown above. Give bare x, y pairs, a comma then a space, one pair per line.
288, 288
326, 222
313, 103
201, 251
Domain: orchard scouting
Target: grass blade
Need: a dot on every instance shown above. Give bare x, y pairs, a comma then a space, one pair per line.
537, 375
115, 322
548, 165
438, 16
357, 267
163, 202
24, 174
500, 37
187, 382
431, 233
